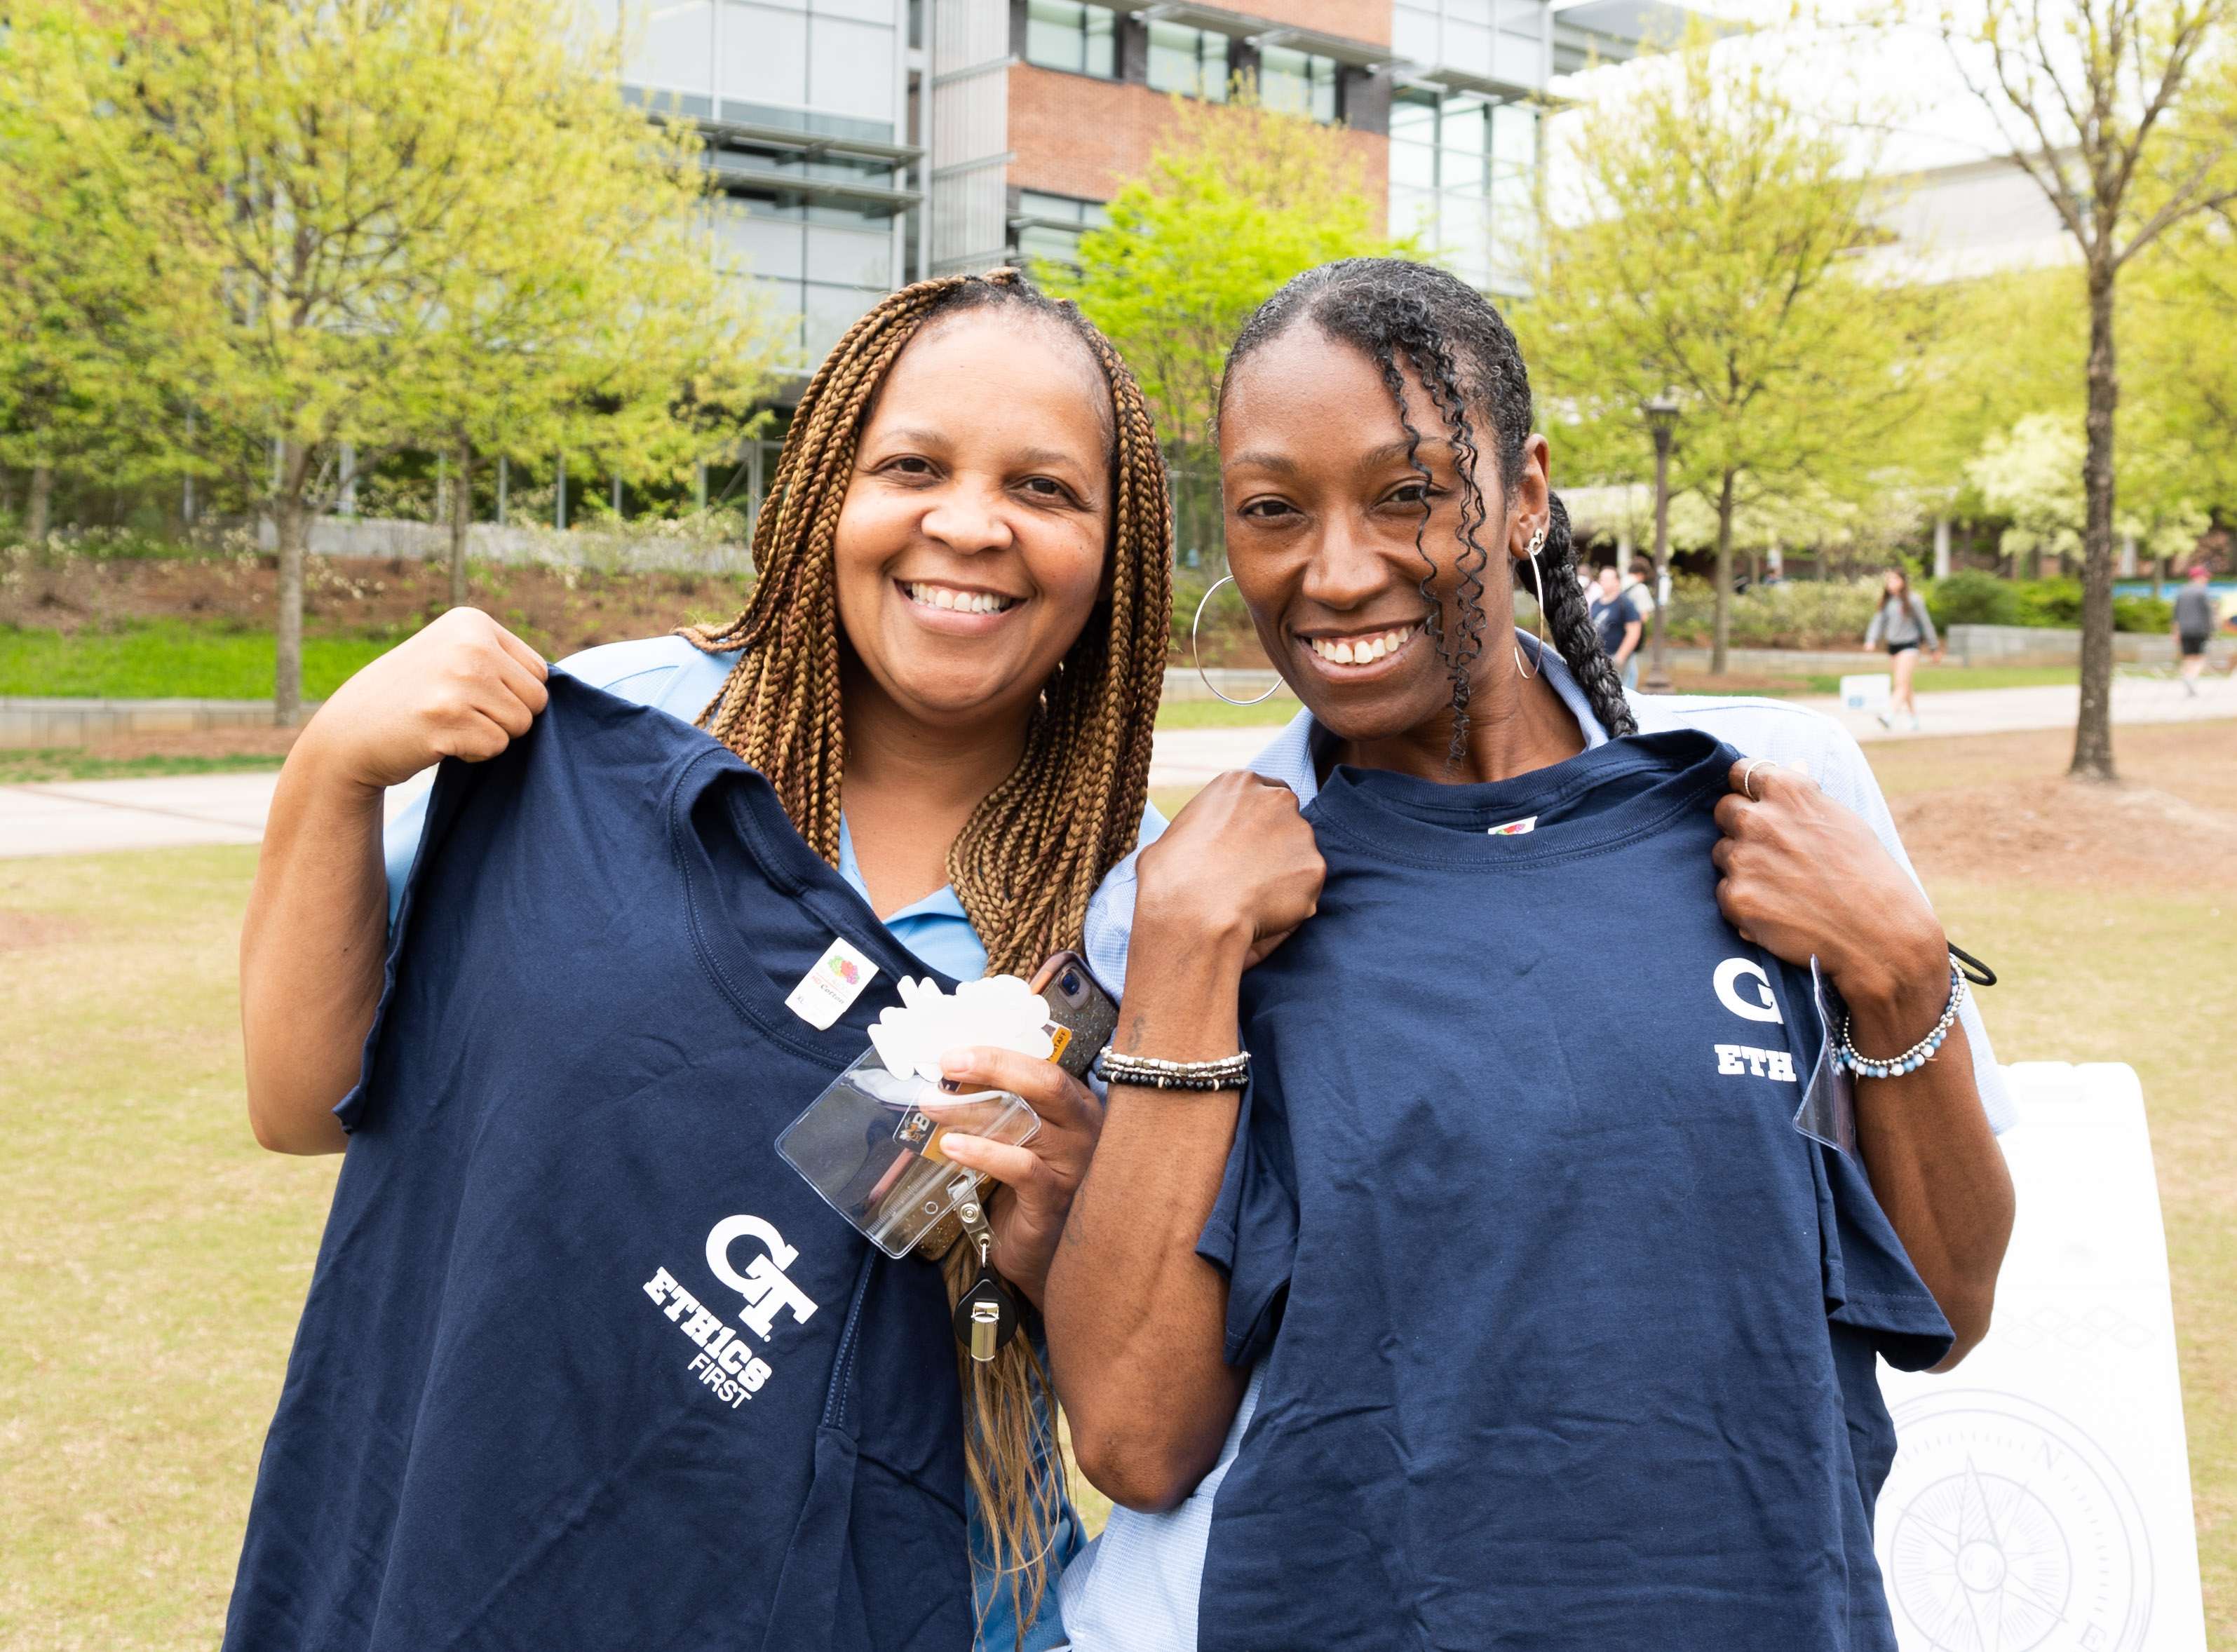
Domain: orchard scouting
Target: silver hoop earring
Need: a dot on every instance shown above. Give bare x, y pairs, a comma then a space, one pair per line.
1538, 591
1196, 653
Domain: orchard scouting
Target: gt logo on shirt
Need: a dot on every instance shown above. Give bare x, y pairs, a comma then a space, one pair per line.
724, 1364
1757, 1004
1744, 1061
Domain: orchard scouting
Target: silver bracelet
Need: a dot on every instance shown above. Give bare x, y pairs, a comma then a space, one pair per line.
1148, 1072
1913, 1058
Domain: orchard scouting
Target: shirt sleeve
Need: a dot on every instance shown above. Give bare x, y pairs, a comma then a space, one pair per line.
1879, 623
1925, 621
1251, 1235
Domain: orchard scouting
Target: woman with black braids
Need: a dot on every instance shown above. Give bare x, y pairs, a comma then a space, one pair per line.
1507, 1303
947, 677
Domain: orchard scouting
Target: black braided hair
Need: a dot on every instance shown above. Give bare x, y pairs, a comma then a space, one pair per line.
1466, 356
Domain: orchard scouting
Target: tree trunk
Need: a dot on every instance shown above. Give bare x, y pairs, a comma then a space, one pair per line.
1724, 577
2092, 730
42, 495
462, 514
294, 524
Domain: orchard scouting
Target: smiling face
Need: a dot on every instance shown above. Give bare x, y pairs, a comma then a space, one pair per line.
971, 545
1323, 511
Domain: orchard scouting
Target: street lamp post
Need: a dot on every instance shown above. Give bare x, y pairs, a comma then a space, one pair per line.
1662, 418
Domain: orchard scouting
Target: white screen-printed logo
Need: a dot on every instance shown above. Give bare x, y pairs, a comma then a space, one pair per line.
763, 1284
1752, 1002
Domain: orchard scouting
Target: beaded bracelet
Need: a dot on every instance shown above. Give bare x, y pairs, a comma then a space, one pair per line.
1148, 1072
1913, 1058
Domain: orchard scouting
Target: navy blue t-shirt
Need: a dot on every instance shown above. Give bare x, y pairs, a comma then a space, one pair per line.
1568, 1332
585, 1363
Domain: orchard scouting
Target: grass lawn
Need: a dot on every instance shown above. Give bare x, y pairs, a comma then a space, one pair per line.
167, 659
1931, 679
157, 1260
1217, 714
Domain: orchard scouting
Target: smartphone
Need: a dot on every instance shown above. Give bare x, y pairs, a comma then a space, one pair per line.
1082, 1015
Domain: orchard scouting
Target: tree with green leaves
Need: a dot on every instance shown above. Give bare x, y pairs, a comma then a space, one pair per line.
78, 299
366, 229
1717, 261
2124, 113
1238, 199
2179, 320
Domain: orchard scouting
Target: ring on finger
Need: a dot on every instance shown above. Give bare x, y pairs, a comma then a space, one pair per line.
1748, 776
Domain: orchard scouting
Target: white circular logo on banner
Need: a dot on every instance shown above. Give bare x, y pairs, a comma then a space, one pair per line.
2003, 1528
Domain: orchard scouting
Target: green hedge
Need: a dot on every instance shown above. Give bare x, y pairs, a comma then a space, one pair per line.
170, 659
1976, 598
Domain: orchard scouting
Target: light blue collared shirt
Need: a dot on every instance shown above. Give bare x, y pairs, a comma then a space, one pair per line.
1135, 1588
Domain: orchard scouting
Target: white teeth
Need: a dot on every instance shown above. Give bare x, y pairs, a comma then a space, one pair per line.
959, 602
1364, 651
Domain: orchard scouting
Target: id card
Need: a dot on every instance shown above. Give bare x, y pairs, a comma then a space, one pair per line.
870, 1145
1828, 1112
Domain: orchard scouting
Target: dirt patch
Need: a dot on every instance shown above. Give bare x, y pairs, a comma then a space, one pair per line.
21, 932
2068, 833
250, 741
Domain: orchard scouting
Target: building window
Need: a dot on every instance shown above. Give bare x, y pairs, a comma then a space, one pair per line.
1049, 226
1193, 61
1079, 39
1296, 83
1463, 177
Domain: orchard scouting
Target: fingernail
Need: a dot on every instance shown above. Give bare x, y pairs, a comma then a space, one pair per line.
955, 1060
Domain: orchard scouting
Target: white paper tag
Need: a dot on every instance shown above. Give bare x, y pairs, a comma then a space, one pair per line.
836, 982
1514, 828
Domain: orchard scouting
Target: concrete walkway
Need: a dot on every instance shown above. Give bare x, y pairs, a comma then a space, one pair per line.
86, 816
1190, 757
2004, 711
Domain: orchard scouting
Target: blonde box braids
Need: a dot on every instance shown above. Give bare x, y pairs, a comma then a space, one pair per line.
1034, 850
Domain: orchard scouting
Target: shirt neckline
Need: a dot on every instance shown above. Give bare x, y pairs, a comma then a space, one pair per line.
1289, 756
796, 871
1395, 816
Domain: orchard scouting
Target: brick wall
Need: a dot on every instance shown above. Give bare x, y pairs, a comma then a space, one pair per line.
1075, 136
1368, 20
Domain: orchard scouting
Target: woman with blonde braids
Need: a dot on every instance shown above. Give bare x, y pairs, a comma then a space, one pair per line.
948, 675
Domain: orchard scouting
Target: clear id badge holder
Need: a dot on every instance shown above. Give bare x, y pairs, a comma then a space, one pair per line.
870, 1145
1828, 1112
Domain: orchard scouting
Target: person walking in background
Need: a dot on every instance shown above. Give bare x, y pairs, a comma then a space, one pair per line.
1639, 590
2194, 619
1618, 624
1902, 623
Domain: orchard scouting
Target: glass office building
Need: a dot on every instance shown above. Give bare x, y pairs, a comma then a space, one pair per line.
804, 108
1464, 139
